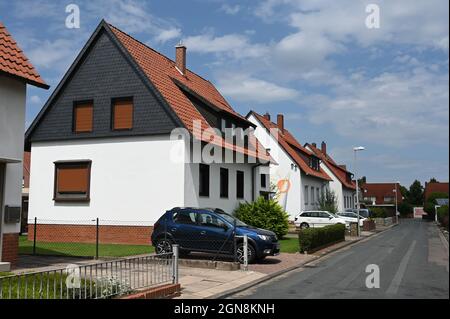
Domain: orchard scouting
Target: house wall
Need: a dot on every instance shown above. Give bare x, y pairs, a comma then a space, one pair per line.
291, 201
312, 182
335, 186
351, 194
252, 183
12, 126
133, 182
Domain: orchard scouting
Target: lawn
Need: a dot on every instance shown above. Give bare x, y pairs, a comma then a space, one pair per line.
82, 249
289, 245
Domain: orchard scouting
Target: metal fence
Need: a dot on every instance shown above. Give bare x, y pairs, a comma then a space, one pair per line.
100, 239
95, 281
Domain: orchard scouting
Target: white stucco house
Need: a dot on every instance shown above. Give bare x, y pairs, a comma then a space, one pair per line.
128, 134
16, 72
342, 183
297, 176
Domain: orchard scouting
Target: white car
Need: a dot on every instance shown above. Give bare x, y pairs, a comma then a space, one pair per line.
351, 217
316, 219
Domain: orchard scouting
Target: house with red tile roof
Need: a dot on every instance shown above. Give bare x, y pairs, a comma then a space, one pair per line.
298, 178
381, 195
435, 187
342, 184
130, 133
16, 71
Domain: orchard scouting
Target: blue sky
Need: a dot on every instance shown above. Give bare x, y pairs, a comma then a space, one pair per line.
315, 61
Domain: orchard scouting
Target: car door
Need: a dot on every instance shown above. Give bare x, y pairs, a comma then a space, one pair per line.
185, 230
325, 219
314, 219
215, 233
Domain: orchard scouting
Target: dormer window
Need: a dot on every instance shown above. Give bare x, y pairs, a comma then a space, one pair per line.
314, 163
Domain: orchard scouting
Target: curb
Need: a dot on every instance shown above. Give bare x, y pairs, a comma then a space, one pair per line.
233, 291
442, 237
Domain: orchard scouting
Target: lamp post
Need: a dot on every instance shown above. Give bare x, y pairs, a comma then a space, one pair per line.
396, 200
355, 150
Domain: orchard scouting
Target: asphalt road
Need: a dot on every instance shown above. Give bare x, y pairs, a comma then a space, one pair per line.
412, 261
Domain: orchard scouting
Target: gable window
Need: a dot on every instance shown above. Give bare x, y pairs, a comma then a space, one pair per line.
203, 183
122, 110
72, 181
83, 115
240, 184
223, 182
263, 180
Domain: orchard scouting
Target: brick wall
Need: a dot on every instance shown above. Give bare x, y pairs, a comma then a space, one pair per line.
108, 234
10, 249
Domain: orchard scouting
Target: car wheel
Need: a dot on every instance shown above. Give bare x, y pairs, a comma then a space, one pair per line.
163, 246
304, 226
251, 253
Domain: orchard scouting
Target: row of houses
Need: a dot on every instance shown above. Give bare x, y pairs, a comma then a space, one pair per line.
129, 133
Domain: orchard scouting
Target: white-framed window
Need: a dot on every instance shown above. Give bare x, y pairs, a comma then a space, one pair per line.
306, 195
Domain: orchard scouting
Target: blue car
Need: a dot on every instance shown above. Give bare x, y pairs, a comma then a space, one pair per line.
211, 231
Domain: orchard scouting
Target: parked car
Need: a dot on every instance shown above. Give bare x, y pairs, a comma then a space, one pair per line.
308, 219
363, 212
352, 217
211, 231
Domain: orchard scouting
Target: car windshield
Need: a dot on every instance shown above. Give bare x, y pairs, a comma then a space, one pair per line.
229, 218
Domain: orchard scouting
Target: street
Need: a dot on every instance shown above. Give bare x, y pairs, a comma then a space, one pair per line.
412, 260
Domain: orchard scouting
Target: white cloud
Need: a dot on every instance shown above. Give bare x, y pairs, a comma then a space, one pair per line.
235, 45
230, 9
35, 99
57, 54
167, 35
247, 89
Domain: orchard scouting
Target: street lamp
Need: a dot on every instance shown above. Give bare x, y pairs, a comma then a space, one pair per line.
396, 200
355, 150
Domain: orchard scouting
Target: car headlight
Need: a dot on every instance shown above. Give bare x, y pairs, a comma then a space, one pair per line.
264, 237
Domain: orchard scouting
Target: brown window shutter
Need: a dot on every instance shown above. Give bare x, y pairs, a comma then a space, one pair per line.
123, 115
73, 180
84, 114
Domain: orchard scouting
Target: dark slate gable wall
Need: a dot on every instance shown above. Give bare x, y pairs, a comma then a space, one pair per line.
104, 74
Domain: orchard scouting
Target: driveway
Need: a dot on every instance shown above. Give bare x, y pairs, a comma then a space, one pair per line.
412, 259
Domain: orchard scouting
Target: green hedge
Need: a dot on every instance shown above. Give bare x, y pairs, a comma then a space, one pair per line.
443, 215
378, 212
312, 238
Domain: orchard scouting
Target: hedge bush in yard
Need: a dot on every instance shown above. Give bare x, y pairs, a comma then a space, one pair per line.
312, 238
266, 214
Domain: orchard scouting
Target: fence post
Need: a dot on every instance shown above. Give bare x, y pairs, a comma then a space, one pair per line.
175, 250
34, 235
96, 238
245, 252
234, 241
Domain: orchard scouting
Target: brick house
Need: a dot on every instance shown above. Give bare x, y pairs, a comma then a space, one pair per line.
109, 144
16, 71
434, 187
342, 184
297, 176
381, 195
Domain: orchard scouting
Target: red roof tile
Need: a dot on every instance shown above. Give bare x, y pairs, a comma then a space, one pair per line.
162, 72
14, 62
293, 148
338, 170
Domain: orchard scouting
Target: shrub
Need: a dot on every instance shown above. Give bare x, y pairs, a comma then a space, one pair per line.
266, 214
328, 202
443, 215
312, 238
429, 206
378, 212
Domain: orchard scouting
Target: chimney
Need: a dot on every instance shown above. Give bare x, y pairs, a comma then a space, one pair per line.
180, 58
267, 116
314, 145
324, 148
280, 122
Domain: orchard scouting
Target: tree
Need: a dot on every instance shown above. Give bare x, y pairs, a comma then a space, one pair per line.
328, 201
362, 181
433, 180
404, 191
415, 196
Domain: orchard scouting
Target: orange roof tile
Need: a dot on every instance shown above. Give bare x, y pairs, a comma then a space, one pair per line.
14, 62
162, 72
293, 148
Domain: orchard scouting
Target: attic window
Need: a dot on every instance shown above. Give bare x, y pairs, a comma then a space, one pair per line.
122, 114
83, 114
72, 181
